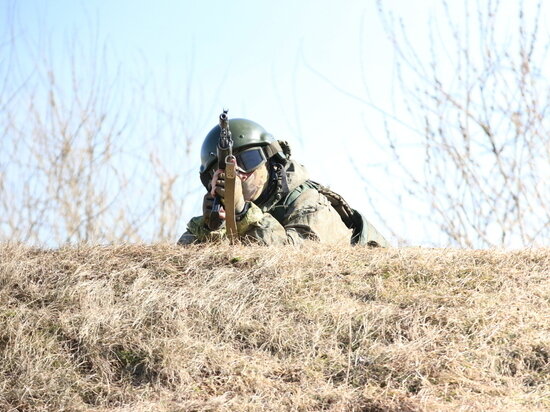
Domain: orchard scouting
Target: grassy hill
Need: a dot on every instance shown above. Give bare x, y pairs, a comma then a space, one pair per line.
167, 328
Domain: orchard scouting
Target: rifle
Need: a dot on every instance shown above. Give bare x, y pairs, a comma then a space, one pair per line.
227, 162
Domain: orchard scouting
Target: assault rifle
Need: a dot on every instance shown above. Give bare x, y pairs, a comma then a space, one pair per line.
227, 162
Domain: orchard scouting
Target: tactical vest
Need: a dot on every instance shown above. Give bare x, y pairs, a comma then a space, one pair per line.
363, 232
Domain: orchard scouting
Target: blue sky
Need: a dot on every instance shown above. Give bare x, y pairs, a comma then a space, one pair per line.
253, 57
316, 73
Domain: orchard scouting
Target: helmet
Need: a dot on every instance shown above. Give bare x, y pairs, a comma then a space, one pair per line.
245, 134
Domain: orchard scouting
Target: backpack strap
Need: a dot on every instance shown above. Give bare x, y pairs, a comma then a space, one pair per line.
363, 231
351, 217
347, 214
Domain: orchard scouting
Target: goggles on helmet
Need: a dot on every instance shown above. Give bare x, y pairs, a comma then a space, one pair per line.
251, 159
247, 162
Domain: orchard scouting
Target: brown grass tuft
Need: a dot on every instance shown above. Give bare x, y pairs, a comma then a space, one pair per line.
164, 328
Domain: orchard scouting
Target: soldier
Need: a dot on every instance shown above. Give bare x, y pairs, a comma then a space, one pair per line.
275, 201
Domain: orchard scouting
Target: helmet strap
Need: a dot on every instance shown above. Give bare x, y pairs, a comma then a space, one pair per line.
277, 188
272, 149
276, 148
206, 178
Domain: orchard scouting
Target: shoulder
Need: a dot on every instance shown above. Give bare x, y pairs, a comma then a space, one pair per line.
304, 199
296, 174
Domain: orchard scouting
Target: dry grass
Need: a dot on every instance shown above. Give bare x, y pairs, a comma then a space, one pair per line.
166, 328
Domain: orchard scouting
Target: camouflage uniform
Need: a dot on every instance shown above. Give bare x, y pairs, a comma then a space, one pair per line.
292, 210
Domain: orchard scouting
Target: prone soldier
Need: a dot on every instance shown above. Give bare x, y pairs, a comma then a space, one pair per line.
274, 201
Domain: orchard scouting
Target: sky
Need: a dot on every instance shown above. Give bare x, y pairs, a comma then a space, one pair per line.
319, 74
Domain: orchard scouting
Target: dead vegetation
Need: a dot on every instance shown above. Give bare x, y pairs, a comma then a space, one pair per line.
477, 97
165, 328
88, 154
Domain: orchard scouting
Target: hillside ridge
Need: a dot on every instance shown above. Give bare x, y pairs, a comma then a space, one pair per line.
219, 327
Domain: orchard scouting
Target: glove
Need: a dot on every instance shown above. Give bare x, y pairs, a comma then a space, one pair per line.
211, 222
218, 188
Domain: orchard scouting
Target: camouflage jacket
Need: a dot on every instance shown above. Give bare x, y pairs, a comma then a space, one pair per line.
297, 210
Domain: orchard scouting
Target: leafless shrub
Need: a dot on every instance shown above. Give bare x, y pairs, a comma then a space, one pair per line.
84, 156
480, 98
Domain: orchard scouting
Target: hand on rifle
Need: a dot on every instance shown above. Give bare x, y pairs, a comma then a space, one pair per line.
218, 188
207, 205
